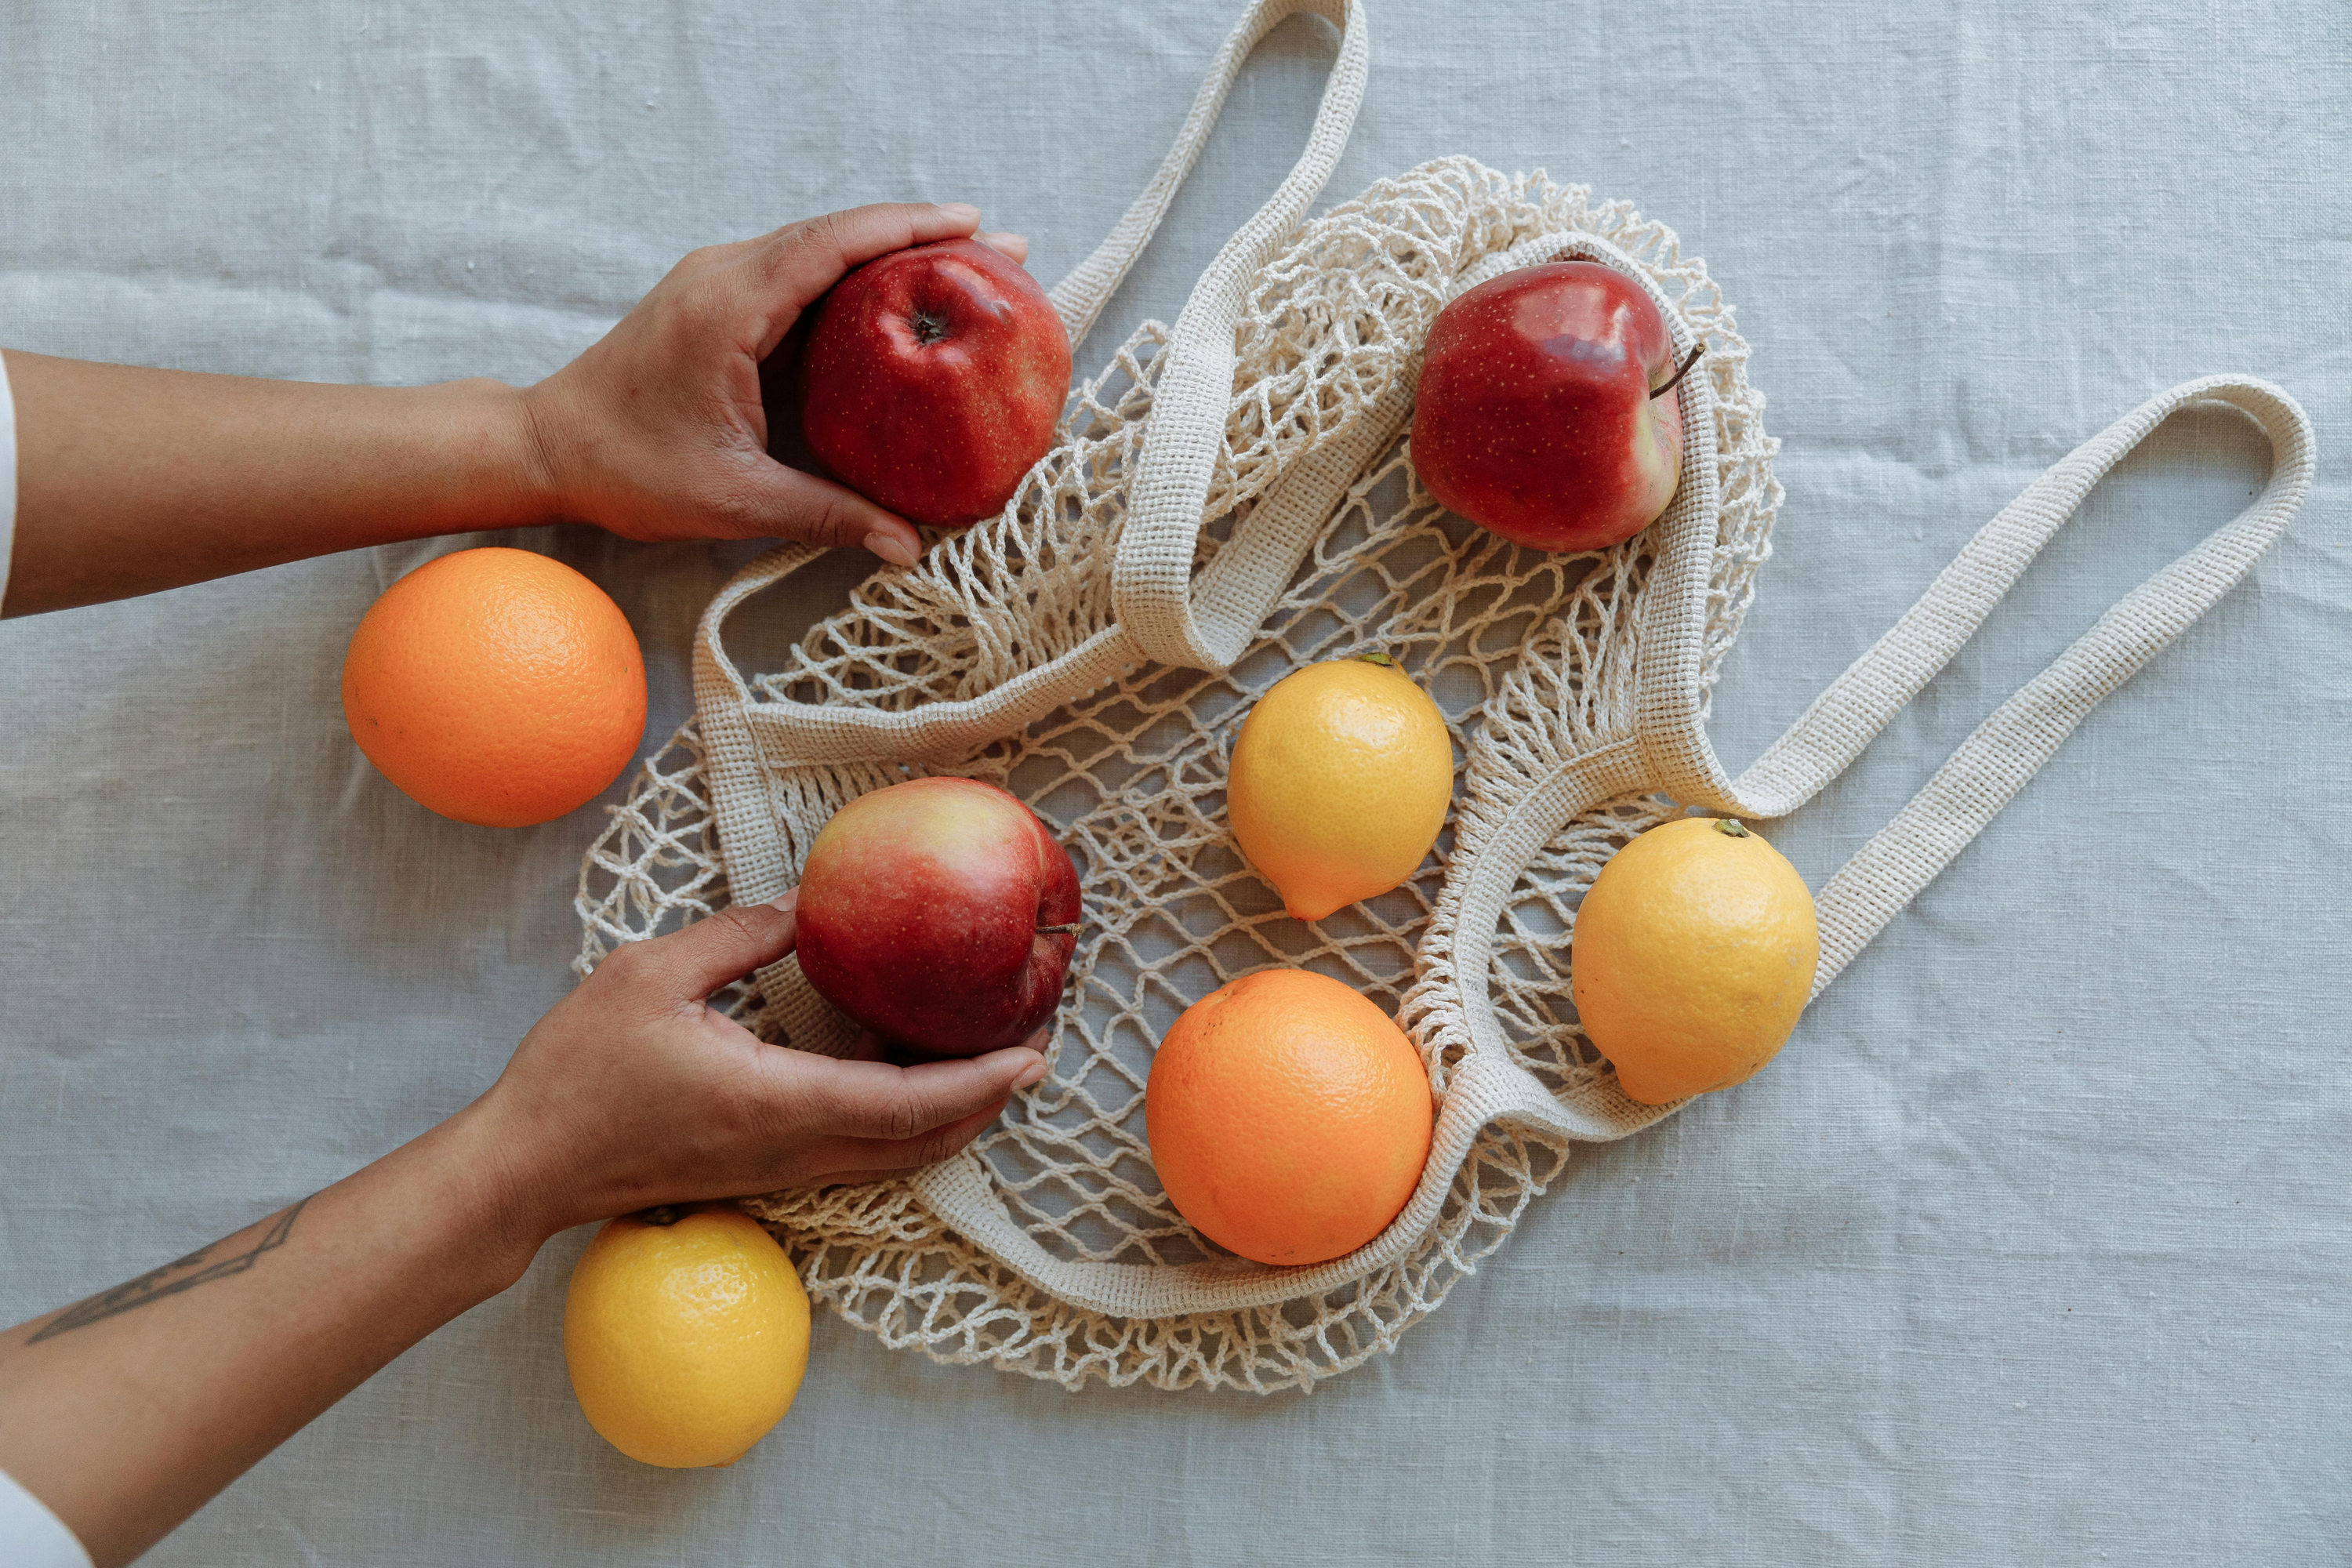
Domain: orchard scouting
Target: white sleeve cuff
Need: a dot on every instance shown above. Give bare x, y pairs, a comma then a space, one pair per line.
30, 1535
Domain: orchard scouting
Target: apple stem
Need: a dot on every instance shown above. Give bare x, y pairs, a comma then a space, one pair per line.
1696, 349
1070, 930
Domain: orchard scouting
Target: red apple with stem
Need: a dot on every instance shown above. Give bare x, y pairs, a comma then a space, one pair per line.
929, 381
940, 914
1547, 410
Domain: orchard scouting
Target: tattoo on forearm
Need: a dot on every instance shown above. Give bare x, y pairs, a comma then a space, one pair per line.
185, 1274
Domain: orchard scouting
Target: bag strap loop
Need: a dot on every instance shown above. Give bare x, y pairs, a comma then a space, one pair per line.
1151, 582
1993, 764
1086, 288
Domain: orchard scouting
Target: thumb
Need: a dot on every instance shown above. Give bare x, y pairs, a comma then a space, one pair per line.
692, 963
800, 262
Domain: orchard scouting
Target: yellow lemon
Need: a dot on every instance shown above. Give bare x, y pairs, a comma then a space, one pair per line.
1694, 954
1339, 782
686, 1342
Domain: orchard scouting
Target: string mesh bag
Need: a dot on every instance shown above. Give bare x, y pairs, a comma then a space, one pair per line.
1228, 499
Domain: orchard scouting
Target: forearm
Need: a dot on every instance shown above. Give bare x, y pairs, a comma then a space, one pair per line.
131, 480
126, 1412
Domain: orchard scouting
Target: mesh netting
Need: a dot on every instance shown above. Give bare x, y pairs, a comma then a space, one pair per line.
1529, 655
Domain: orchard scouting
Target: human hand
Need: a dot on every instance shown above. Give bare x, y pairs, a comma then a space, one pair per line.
632, 1091
656, 432
124, 1415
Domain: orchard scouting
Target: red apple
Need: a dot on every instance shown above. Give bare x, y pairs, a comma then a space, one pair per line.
940, 914
1546, 410
930, 379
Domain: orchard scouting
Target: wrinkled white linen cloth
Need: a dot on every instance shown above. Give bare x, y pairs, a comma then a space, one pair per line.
2032, 1246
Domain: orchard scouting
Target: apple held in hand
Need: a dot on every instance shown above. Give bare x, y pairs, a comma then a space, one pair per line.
1547, 410
938, 913
930, 379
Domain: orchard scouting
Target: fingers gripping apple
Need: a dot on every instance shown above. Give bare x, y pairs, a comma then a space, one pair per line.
940, 913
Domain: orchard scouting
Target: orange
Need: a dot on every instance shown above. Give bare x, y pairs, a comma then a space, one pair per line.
497, 687
1693, 955
1289, 1116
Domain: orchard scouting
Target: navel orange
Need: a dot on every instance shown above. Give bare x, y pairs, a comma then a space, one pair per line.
1693, 955
1289, 1116
497, 687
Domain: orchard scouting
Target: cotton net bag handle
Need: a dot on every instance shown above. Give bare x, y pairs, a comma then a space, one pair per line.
1194, 388
1153, 586
1994, 762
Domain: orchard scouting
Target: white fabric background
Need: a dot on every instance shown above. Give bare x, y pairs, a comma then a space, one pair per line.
2036, 1245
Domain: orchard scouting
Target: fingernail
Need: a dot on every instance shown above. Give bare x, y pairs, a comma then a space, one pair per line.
1033, 1073
1001, 240
890, 548
963, 212
789, 902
